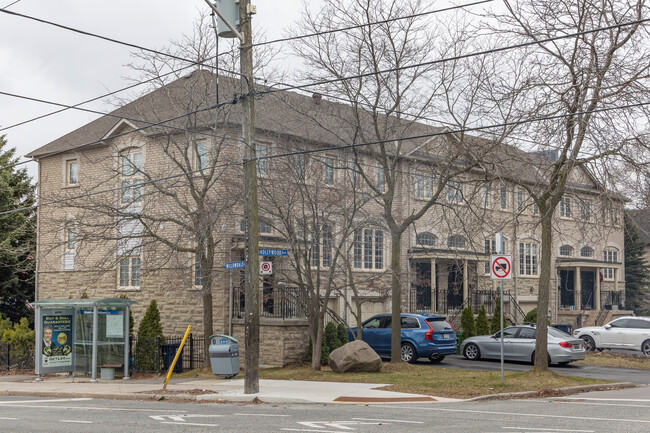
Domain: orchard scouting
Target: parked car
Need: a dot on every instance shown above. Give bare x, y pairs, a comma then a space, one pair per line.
624, 333
423, 336
519, 345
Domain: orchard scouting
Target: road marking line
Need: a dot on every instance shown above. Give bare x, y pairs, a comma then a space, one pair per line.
257, 414
605, 404
518, 414
553, 429
75, 421
388, 420
303, 430
191, 423
45, 401
604, 399
35, 406
7, 418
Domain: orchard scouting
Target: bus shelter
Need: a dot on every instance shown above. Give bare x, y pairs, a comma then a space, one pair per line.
80, 335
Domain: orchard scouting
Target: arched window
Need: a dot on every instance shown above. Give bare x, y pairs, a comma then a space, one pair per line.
455, 241
566, 250
425, 239
586, 252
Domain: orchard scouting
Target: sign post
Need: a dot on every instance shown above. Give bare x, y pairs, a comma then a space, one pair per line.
501, 269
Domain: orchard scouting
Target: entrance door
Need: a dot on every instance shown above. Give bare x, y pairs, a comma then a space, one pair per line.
454, 286
587, 290
423, 287
567, 288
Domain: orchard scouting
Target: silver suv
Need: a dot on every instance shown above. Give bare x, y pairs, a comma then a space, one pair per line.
624, 333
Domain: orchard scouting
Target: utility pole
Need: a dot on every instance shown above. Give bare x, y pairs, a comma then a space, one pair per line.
252, 319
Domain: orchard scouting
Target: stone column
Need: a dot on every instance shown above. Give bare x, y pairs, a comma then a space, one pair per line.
465, 282
434, 300
597, 290
577, 301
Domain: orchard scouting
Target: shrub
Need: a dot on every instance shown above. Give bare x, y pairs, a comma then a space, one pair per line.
21, 339
331, 340
343, 333
467, 323
146, 348
495, 324
482, 325
531, 317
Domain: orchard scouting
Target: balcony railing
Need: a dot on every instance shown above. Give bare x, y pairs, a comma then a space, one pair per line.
278, 303
611, 300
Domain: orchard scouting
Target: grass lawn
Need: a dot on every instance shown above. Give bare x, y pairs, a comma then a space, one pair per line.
442, 382
608, 359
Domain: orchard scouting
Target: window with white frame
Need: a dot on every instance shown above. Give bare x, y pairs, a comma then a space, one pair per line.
328, 170
565, 207
615, 217
354, 174
423, 185
262, 151
263, 227
566, 250
586, 252
321, 247
490, 247
454, 191
131, 176
300, 167
585, 210
520, 200
200, 155
485, 196
425, 239
70, 248
503, 197
528, 258
72, 172
368, 249
610, 255
381, 179
535, 208
130, 273
603, 214
456, 241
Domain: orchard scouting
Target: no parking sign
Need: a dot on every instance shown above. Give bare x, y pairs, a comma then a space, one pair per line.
266, 268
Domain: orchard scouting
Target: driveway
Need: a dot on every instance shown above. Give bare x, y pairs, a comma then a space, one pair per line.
639, 377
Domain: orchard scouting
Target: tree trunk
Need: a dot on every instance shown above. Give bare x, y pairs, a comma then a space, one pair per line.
317, 343
396, 295
359, 321
541, 344
207, 323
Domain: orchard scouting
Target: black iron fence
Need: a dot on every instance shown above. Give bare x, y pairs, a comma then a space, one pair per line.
611, 300
15, 358
278, 303
156, 354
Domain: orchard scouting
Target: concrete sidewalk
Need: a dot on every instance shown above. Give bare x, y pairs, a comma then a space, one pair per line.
205, 390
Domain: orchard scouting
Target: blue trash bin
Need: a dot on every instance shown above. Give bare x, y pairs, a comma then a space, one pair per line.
168, 353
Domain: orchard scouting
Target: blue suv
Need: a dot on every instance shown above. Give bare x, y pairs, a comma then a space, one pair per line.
423, 336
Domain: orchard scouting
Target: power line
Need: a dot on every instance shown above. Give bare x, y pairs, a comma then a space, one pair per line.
233, 101
343, 29
10, 4
459, 57
343, 147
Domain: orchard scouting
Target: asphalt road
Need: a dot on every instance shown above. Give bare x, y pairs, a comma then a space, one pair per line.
590, 371
588, 413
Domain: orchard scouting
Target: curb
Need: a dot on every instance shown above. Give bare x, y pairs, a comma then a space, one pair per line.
566, 391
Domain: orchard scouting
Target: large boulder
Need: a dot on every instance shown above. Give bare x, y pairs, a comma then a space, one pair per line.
354, 356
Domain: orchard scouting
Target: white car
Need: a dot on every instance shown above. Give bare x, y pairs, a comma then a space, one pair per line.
624, 333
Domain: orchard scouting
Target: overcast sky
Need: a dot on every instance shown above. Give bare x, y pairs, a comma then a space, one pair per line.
46, 62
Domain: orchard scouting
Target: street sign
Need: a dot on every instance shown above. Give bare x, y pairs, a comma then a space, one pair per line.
266, 268
236, 265
273, 252
501, 267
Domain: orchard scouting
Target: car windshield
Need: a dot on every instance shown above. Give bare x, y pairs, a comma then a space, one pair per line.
559, 334
440, 325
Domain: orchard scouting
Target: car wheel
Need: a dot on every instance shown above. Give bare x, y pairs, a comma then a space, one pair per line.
408, 353
472, 352
590, 344
645, 347
532, 359
435, 359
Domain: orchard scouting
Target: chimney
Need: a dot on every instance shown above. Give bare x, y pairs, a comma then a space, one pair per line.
316, 97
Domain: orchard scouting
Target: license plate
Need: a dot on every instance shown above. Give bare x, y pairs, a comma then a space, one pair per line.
445, 335
577, 346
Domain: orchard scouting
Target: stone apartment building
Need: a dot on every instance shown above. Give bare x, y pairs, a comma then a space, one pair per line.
123, 198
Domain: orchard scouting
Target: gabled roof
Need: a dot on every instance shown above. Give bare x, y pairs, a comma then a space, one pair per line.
641, 219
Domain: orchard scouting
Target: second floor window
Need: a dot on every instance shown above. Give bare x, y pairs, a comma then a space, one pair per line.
198, 270
130, 272
425, 239
381, 179
131, 163
131, 170
368, 249
609, 256
485, 196
300, 166
586, 252
70, 248
503, 196
423, 185
321, 248
262, 151
328, 171
566, 250
456, 241
585, 210
72, 172
565, 207
528, 258
200, 155
520, 201
454, 192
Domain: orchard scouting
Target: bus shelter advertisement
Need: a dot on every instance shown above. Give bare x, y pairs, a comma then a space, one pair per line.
57, 341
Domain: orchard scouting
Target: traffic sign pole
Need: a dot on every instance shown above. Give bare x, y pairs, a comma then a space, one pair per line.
499, 239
